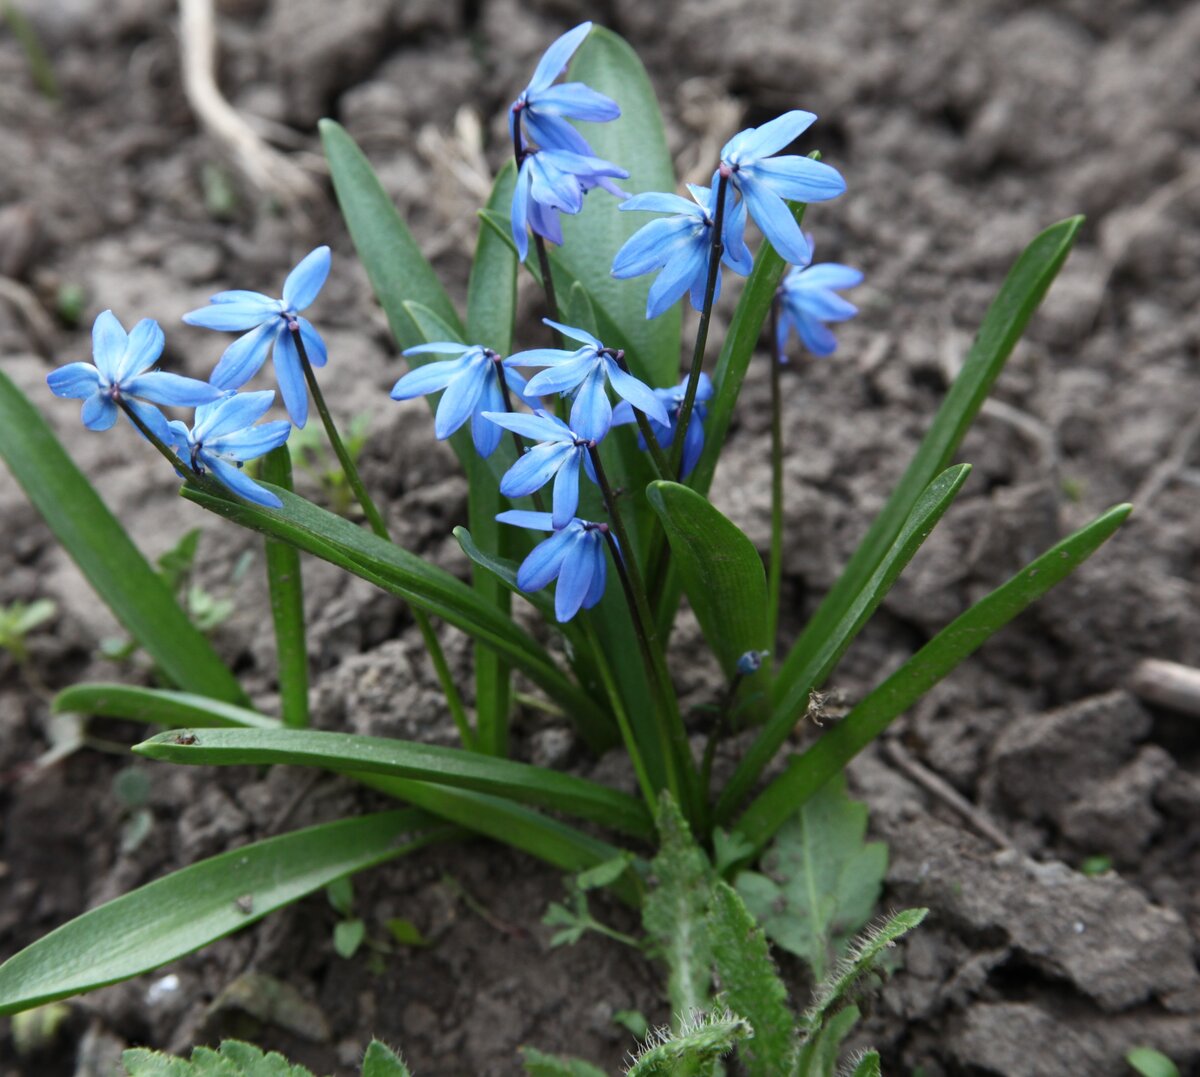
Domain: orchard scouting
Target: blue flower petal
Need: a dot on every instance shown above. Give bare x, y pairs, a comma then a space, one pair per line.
535, 521
430, 378
652, 245
520, 208
314, 345
826, 275
234, 317
536, 468
638, 393
545, 222
240, 483
290, 377
231, 413
438, 347
574, 577
250, 442
693, 444
591, 413
566, 489
307, 279
758, 142
599, 570
552, 186
799, 179
661, 202
99, 412
564, 377
544, 560
581, 336
109, 341
555, 59
160, 387
772, 215
244, 357
154, 419
737, 254
576, 101
544, 357
242, 295
457, 403
74, 381
817, 337
142, 350
823, 304
685, 266
540, 427
554, 133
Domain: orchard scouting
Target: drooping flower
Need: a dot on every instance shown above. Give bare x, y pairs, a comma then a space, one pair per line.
765, 181
559, 455
555, 165
751, 662
552, 181
664, 434
223, 437
681, 246
808, 300
545, 108
472, 384
574, 555
120, 373
585, 372
270, 322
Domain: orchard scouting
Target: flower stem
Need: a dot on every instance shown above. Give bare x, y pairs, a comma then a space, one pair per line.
432, 644
177, 462
710, 289
775, 570
547, 281
718, 729
673, 738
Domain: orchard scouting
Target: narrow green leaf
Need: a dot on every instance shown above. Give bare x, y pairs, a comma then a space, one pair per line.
637, 142
98, 544
721, 571
867, 1065
492, 288
287, 605
176, 709
819, 880
180, 913
539, 1064
750, 986
397, 269
381, 1061
1005, 321
416, 581
805, 670
962, 637
819, 1055
349, 753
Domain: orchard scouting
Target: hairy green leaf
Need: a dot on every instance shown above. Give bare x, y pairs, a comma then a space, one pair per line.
694, 1050
819, 1054
820, 880
539, 1064
381, 1061
866, 1066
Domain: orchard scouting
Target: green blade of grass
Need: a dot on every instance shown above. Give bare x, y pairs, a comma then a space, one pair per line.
180, 913
808, 772
167, 708
287, 606
796, 680
105, 554
345, 752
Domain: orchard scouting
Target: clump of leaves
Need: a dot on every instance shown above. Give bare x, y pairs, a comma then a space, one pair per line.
18, 619
312, 455
237, 1059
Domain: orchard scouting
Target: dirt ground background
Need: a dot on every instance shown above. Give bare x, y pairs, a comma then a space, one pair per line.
962, 129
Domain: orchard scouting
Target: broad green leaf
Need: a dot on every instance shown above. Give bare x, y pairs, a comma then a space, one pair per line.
721, 571
819, 880
750, 986
539, 1064
1151, 1063
806, 773
674, 912
397, 269
190, 908
492, 288
636, 142
416, 581
287, 605
106, 556
381, 1061
168, 708
1005, 321
695, 1050
350, 753
806, 670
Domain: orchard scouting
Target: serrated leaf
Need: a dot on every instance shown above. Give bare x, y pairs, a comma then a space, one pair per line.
381, 1061
819, 881
232, 1059
675, 911
539, 1064
750, 986
867, 1065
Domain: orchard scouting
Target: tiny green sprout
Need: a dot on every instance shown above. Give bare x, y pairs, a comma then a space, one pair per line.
1073, 490
69, 303
633, 1021
312, 455
1096, 865
18, 619
1151, 1063
220, 194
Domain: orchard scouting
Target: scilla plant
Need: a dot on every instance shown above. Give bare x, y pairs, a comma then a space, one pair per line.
589, 453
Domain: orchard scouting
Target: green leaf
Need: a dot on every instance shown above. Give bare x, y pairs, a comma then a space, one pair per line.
867, 1065
98, 544
962, 637
176, 709
1151, 1063
421, 584
286, 588
492, 288
349, 753
820, 880
190, 908
232, 1059
675, 911
637, 142
721, 571
819, 1055
397, 269
1005, 321
539, 1064
806, 669
750, 986
348, 936
694, 1051
381, 1061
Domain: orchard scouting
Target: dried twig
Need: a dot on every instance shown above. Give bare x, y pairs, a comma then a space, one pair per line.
1168, 684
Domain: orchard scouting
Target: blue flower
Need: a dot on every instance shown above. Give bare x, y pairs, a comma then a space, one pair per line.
558, 456
664, 433
550, 181
681, 246
121, 374
808, 300
764, 182
270, 322
223, 437
585, 371
751, 662
472, 384
574, 555
545, 108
